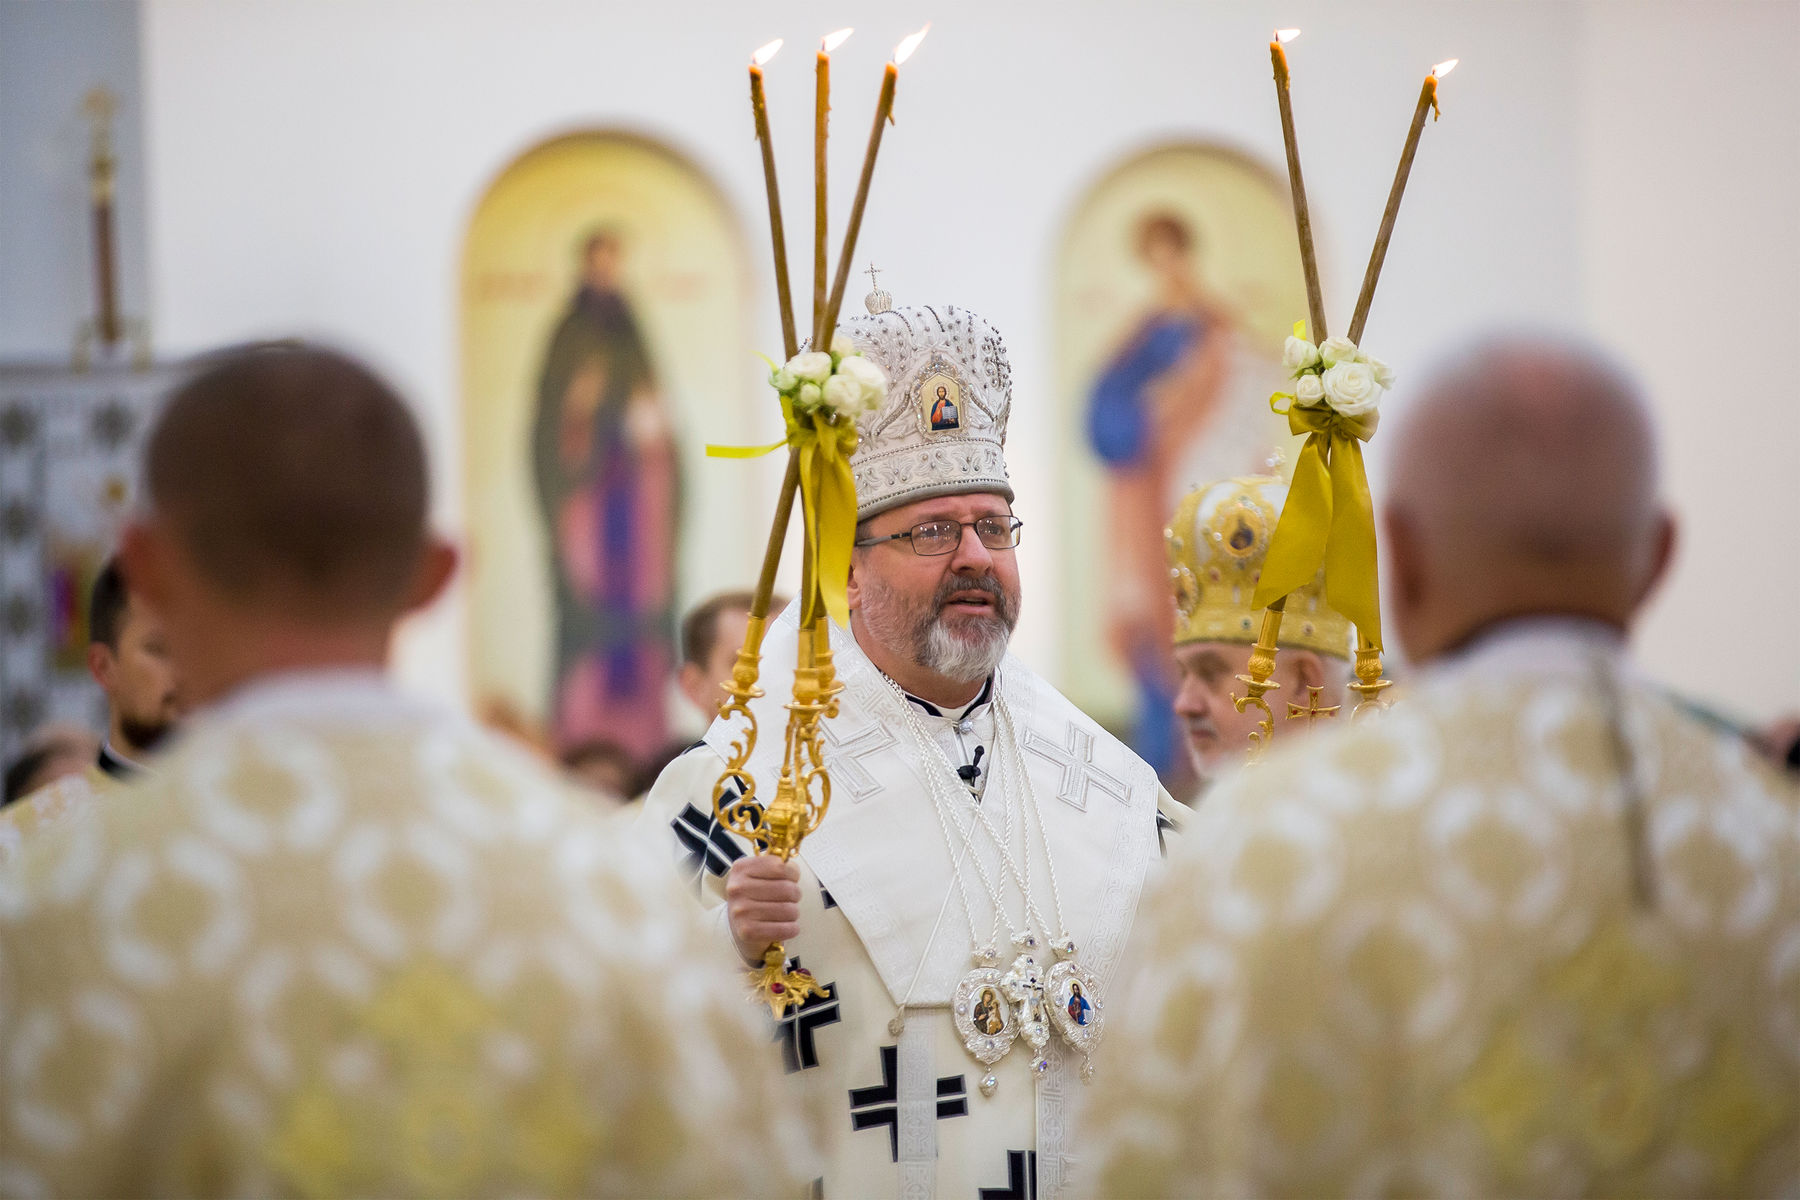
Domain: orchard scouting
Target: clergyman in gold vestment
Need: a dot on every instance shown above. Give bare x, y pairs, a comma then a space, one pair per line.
1535, 931
340, 942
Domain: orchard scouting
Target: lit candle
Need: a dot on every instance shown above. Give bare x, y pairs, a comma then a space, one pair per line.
884, 113
1427, 103
759, 109
821, 120
1309, 262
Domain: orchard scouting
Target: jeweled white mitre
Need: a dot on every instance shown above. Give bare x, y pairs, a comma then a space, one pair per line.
942, 430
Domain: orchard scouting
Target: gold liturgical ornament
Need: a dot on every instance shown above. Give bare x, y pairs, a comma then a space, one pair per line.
107, 328
1328, 523
821, 434
1218, 545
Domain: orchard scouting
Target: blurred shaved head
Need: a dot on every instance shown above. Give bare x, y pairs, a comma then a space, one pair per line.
288, 517
1523, 481
294, 477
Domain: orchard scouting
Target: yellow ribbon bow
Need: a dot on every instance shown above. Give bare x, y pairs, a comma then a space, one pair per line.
1328, 520
827, 495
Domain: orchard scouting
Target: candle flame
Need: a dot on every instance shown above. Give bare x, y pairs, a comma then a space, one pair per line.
909, 43
1444, 68
832, 41
765, 53
1284, 36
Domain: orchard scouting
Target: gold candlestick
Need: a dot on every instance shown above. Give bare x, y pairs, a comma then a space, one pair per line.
803, 789
1369, 683
1427, 103
802, 797
1258, 678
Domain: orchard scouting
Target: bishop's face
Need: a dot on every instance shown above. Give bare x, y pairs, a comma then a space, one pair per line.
1217, 733
948, 614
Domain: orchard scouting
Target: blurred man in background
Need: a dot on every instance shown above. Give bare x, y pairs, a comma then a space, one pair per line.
1218, 541
1536, 931
711, 634
128, 656
339, 942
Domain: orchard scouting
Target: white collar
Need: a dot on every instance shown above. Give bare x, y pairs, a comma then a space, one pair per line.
1545, 645
354, 694
982, 699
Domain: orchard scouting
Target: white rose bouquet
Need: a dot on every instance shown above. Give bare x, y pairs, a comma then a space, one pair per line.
1334, 374
840, 385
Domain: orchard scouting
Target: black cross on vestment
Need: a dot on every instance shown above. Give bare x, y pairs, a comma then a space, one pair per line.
873, 1107
1021, 1170
707, 846
795, 1030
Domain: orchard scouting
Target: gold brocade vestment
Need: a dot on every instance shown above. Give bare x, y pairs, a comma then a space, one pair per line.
1410, 957
340, 944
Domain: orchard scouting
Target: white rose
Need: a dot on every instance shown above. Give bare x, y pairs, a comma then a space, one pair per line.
842, 346
783, 380
1384, 374
1299, 354
811, 367
1337, 350
843, 395
1350, 388
869, 377
809, 396
1309, 391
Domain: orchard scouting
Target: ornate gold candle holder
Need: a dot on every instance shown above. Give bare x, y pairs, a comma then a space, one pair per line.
1369, 683
802, 793
1258, 681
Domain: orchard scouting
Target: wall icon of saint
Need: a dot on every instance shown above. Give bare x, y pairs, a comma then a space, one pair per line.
605, 331
1177, 282
607, 486
1161, 386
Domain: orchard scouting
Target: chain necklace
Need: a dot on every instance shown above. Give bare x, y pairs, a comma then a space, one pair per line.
993, 1009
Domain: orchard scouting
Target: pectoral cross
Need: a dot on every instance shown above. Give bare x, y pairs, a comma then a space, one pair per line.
1312, 710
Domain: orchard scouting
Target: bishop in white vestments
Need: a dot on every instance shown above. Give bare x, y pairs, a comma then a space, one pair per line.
967, 895
1533, 932
340, 942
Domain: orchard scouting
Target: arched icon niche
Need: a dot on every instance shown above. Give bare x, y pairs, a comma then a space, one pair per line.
605, 341
1178, 278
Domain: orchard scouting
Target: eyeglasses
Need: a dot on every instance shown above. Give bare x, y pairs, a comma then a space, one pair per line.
943, 537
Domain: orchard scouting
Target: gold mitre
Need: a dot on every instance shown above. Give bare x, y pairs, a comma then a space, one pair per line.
1217, 542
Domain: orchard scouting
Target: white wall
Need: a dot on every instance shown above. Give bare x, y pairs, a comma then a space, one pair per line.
1690, 176
312, 167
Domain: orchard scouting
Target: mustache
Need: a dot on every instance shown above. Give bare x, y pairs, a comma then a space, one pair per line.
956, 584
1201, 725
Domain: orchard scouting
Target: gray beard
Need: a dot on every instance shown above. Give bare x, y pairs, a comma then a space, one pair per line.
965, 661
926, 637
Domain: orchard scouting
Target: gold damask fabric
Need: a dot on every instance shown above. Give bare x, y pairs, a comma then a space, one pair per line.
338, 947
49, 806
1405, 958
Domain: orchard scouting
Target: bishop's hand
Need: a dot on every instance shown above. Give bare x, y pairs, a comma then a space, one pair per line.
762, 902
